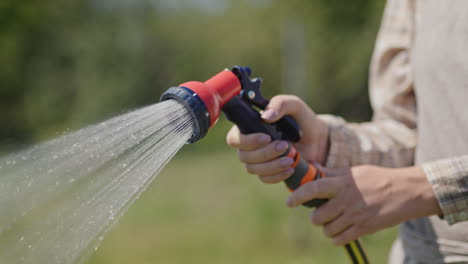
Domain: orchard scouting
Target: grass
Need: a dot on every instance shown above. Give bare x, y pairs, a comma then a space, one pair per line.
204, 208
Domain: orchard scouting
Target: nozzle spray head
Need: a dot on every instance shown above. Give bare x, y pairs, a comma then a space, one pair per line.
204, 100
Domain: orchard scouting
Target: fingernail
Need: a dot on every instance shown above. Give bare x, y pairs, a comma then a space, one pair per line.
263, 139
286, 162
281, 146
269, 114
290, 202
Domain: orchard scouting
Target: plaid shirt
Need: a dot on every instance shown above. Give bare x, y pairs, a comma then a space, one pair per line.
391, 137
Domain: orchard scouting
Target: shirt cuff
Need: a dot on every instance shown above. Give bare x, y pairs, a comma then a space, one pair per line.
449, 180
340, 150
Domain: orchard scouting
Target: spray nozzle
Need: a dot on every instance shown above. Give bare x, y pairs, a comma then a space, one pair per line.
235, 93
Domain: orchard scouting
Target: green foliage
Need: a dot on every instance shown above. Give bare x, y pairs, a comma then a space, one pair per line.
65, 64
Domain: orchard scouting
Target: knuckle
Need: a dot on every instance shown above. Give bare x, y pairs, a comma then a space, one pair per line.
338, 241
265, 153
359, 229
342, 239
313, 187
242, 155
358, 212
264, 179
280, 178
249, 140
315, 219
327, 231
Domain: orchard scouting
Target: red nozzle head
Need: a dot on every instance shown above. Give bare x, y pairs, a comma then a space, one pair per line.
216, 92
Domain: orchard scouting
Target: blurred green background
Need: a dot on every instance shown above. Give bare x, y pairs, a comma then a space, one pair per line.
65, 64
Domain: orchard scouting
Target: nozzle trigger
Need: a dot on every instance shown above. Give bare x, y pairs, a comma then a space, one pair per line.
252, 95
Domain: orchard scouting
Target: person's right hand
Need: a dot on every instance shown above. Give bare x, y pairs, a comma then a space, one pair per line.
261, 156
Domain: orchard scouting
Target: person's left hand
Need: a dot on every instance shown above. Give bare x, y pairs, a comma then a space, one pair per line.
366, 199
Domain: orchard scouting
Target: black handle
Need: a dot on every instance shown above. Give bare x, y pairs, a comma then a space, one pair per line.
249, 121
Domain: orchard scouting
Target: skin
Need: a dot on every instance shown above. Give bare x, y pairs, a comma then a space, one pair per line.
362, 199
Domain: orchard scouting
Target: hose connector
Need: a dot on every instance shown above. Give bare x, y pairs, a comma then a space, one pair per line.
204, 100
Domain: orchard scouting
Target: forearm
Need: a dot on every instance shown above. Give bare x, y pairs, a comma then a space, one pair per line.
413, 192
387, 143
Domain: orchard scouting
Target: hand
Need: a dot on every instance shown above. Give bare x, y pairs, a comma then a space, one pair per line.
260, 155
366, 199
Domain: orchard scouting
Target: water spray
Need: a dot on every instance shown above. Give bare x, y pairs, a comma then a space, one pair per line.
238, 95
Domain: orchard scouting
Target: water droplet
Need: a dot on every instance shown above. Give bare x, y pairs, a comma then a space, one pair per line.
101, 238
124, 165
71, 180
29, 246
55, 157
22, 238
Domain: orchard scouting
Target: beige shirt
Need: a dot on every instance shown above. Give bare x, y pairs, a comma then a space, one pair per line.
419, 93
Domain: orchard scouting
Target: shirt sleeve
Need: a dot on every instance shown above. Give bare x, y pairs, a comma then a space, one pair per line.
449, 180
390, 139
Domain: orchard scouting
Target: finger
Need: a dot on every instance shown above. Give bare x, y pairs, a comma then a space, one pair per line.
337, 226
346, 236
327, 212
281, 105
271, 167
278, 177
238, 140
270, 152
322, 188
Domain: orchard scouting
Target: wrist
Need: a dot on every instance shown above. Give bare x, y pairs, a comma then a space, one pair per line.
321, 141
412, 185
326, 150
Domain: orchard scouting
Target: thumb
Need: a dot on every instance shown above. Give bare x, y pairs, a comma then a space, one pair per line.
282, 105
